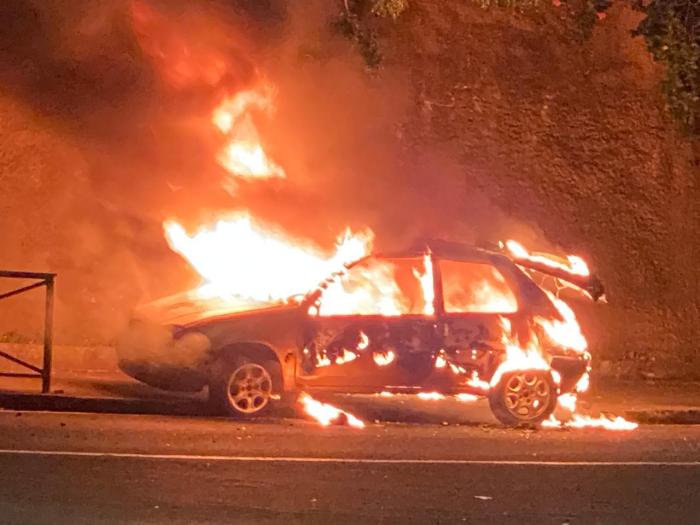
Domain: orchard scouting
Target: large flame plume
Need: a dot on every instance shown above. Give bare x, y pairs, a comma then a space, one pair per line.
242, 258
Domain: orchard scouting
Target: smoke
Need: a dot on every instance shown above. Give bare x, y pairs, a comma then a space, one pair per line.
105, 106
79, 164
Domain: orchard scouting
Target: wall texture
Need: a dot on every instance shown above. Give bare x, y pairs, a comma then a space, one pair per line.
571, 138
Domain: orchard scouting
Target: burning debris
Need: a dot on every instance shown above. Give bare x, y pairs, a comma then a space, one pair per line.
327, 414
574, 420
430, 396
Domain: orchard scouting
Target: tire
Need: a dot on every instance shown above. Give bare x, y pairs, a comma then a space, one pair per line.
523, 397
243, 387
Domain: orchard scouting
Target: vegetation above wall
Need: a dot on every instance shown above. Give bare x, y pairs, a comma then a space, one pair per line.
671, 29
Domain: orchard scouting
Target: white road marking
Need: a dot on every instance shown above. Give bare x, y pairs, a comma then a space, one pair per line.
302, 459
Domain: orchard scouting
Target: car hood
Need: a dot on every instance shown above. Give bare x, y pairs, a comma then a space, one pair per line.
191, 307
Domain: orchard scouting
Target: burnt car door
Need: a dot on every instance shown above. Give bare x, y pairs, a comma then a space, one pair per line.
477, 301
374, 326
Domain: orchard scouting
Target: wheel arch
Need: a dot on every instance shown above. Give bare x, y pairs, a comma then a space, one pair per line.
256, 350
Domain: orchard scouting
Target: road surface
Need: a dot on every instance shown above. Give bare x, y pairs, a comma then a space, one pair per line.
99, 468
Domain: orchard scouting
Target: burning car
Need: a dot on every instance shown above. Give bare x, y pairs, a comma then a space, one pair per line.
442, 316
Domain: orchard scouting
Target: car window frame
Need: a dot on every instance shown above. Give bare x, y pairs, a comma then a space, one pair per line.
317, 294
440, 295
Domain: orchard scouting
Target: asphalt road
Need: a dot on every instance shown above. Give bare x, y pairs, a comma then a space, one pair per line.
90, 468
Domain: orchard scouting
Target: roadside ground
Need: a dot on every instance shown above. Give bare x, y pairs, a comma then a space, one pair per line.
113, 392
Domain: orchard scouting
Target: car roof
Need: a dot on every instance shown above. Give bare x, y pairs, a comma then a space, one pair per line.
447, 250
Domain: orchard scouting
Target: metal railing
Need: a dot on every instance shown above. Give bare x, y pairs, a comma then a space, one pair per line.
44, 279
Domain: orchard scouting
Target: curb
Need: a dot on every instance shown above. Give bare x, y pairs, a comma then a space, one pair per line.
197, 408
689, 416
109, 405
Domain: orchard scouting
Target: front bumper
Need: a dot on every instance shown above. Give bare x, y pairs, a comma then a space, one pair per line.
153, 355
571, 369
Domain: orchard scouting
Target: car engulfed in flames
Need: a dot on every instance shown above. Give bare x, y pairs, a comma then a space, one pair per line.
437, 319
441, 318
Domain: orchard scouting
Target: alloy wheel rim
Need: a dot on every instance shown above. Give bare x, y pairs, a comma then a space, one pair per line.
527, 395
250, 388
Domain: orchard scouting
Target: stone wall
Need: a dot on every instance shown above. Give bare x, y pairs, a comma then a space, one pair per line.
571, 139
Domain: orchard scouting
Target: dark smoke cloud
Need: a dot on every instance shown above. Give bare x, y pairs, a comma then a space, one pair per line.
105, 110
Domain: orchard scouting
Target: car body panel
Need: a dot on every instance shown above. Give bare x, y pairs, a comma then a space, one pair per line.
194, 332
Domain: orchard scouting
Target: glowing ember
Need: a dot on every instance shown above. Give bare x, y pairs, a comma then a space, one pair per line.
364, 341
477, 383
243, 155
456, 369
327, 414
345, 357
433, 396
240, 258
430, 396
383, 358
466, 398
322, 361
440, 361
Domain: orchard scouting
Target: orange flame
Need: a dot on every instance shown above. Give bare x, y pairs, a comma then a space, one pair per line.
364, 341
372, 288
466, 398
441, 360
430, 396
568, 403
476, 288
327, 414
575, 265
241, 258
475, 382
516, 357
243, 155
566, 333
426, 282
383, 358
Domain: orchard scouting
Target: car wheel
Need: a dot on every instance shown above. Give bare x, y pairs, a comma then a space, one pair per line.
523, 397
243, 387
